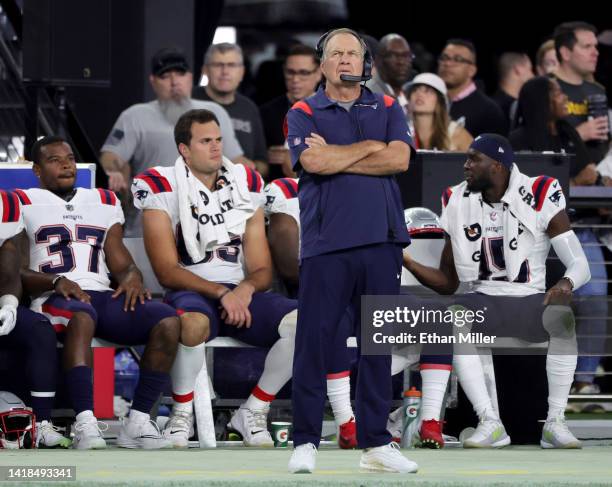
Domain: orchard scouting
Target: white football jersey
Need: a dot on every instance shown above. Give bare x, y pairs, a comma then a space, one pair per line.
532, 275
156, 189
281, 197
11, 221
68, 237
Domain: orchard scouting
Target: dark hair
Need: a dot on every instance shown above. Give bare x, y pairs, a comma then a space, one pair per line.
508, 60
182, 129
303, 50
36, 150
465, 43
533, 117
565, 35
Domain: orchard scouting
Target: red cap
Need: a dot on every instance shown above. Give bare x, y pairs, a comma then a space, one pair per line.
413, 392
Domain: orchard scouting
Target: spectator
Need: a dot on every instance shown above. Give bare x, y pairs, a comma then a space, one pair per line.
541, 126
224, 68
433, 128
393, 68
587, 107
302, 75
142, 136
576, 48
541, 115
514, 69
546, 58
469, 106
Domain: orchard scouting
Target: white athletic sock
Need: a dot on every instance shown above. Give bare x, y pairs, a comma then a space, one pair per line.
339, 394
277, 372
434, 382
560, 372
471, 377
185, 370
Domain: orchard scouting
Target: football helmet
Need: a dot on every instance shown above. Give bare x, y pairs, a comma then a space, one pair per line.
423, 223
17, 423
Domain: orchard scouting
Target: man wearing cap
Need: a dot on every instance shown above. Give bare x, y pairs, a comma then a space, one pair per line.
500, 225
142, 136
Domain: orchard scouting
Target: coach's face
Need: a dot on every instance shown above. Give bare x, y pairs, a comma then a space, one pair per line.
478, 170
343, 55
56, 167
204, 154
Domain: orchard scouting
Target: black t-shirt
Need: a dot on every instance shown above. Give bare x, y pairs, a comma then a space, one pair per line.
584, 101
246, 121
505, 102
480, 113
273, 115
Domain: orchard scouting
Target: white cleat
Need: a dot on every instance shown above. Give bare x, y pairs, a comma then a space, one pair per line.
395, 424
88, 435
179, 428
556, 434
386, 458
141, 434
490, 433
48, 436
303, 459
253, 426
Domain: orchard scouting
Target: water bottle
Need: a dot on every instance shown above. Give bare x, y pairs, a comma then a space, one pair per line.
411, 409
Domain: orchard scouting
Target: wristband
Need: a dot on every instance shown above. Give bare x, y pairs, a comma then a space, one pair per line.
570, 281
56, 279
227, 290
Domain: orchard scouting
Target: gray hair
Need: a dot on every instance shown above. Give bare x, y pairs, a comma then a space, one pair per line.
222, 48
343, 30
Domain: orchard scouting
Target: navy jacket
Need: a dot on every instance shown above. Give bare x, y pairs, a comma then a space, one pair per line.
343, 211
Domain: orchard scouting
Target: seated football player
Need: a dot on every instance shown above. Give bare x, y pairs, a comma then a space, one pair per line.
205, 237
25, 330
75, 246
500, 225
282, 209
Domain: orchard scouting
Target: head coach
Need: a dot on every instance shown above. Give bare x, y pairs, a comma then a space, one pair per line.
346, 144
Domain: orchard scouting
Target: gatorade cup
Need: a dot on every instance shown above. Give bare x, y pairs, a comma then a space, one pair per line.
280, 433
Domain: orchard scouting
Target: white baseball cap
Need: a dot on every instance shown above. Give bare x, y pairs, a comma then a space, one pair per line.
428, 79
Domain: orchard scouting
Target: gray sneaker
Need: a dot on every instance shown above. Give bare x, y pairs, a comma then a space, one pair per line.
490, 433
556, 434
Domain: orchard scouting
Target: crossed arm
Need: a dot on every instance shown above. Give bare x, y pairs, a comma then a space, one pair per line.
368, 157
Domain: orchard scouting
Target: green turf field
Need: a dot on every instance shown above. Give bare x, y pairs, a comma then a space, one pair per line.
515, 465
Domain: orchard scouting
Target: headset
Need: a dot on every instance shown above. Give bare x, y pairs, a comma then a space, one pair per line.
367, 57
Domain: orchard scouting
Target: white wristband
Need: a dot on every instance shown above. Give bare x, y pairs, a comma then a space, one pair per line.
9, 300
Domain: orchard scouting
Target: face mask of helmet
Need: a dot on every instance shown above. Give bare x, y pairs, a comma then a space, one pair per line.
17, 423
423, 223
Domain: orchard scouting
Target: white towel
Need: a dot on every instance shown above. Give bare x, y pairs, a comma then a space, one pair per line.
212, 216
463, 220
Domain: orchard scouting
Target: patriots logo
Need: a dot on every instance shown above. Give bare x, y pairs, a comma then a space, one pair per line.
473, 232
555, 197
141, 194
69, 208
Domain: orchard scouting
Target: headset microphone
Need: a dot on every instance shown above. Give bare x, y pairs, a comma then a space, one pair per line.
355, 79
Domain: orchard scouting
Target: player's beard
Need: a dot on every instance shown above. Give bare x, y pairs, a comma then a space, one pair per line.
173, 109
479, 185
